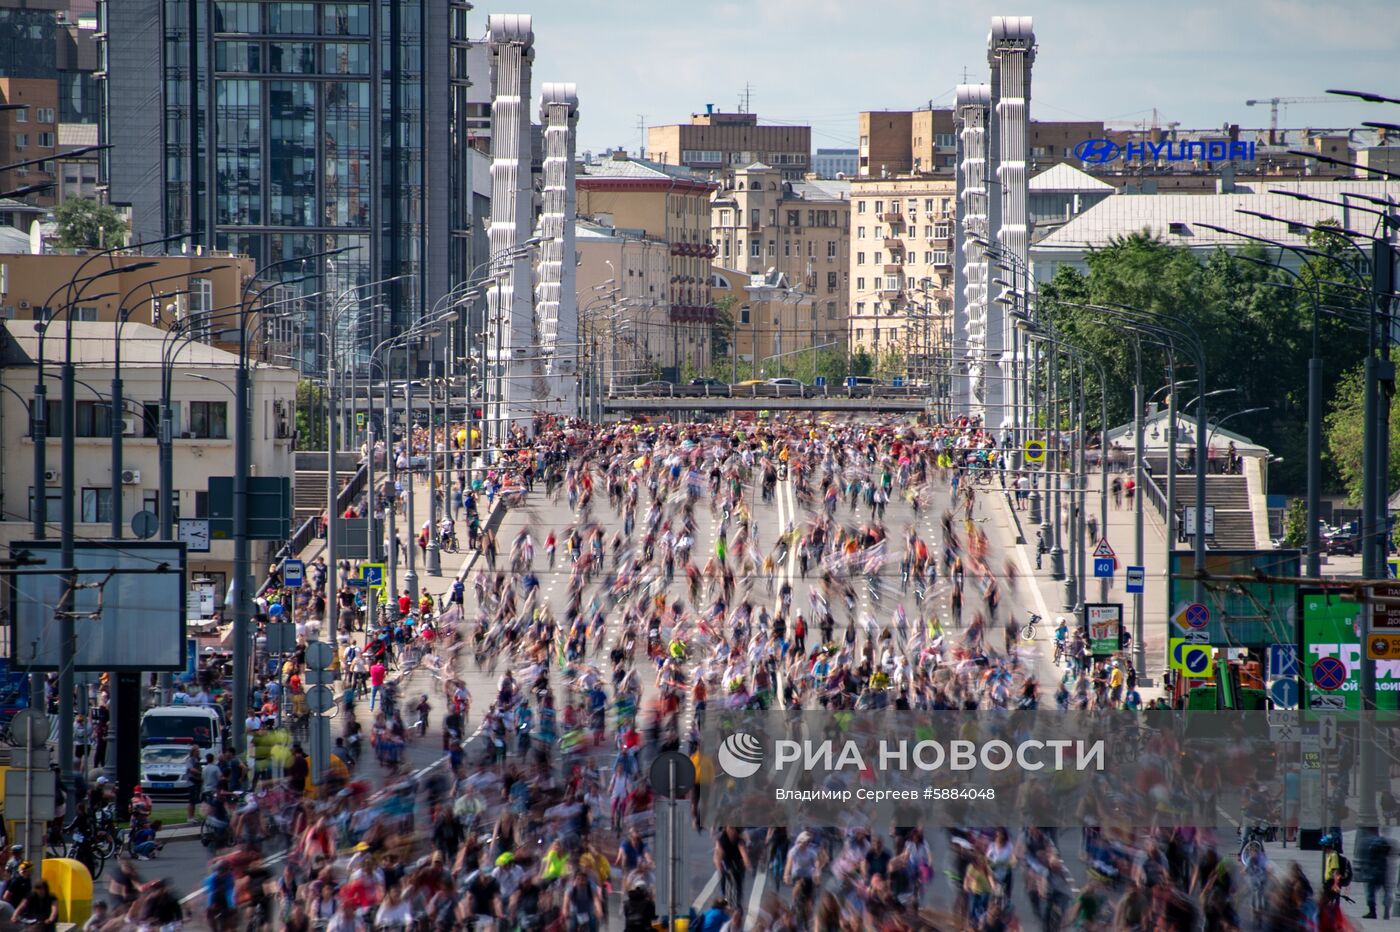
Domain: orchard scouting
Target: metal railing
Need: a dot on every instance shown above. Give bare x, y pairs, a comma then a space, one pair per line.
1154, 495
309, 529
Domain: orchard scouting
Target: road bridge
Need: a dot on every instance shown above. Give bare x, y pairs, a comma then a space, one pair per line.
634, 404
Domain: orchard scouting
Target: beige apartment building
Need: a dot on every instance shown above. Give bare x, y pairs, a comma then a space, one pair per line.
901, 142
623, 283
901, 294
799, 230
671, 205
773, 321
201, 390
721, 142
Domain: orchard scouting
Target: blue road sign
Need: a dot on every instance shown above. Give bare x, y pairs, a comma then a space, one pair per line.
1197, 660
355, 582
293, 573
373, 575
897, 381
1283, 661
1197, 615
1284, 693
850, 381
1329, 673
1135, 579
819, 381
1103, 567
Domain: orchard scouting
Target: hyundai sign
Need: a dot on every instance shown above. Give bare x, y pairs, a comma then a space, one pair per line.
1102, 151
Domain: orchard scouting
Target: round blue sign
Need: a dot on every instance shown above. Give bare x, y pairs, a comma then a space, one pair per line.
1197, 660
1329, 673
1284, 693
1197, 615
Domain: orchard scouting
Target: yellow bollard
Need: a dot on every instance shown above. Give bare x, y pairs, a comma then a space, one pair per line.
71, 883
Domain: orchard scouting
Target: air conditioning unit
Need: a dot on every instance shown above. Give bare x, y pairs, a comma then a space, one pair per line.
51, 477
128, 427
186, 435
23, 305
131, 477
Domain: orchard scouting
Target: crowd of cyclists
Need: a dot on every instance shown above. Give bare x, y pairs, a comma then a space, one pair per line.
672, 589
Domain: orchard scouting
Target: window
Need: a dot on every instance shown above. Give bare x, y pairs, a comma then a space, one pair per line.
21, 116
93, 419
940, 257
944, 140
201, 503
860, 232
744, 314
831, 249
860, 207
860, 333
928, 205
811, 248
345, 19
724, 217
940, 231
879, 232
53, 504
860, 307
150, 419
831, 310
860, 258
21, 140
756, 249
928, 258
201, 305
209, 419
860, 283
879, 258
97, 505
830, 281
772, 217
45, 114
891, 282
150, 501
88, 314
46, 141
772, 247
794, 218
944, 204
879, 209
725, 248
787, 247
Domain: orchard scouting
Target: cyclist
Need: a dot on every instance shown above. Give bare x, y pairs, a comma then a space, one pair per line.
1061, 637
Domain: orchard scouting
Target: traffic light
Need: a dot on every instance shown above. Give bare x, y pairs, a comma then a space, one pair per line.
476, 414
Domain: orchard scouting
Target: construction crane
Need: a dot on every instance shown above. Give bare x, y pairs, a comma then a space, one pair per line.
1274, 102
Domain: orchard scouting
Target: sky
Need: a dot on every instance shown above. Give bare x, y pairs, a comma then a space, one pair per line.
821, 62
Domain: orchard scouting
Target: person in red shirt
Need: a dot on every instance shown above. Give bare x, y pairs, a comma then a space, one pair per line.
377, 673
405, 603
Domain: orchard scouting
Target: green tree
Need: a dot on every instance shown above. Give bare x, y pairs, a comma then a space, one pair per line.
311, 415
722, 330
1345, 433
1295, 523
84, 223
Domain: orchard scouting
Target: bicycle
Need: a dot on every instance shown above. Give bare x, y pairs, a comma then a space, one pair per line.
1029, 628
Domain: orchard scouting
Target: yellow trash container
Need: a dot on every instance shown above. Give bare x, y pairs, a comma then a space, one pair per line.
71, 883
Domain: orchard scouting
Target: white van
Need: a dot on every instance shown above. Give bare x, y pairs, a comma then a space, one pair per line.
185, 725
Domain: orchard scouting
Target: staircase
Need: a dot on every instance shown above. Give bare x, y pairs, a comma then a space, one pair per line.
1231, 498
309, 482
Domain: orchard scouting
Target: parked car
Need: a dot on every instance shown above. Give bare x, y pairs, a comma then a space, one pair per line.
789, 387
861, 386
707, 386
655, 387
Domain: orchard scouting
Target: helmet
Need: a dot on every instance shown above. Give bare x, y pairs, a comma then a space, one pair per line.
1328, 841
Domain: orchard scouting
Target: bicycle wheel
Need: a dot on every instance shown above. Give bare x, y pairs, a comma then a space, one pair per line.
104, 845
1028, 632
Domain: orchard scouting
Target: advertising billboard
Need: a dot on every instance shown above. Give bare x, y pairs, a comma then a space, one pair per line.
1328, 627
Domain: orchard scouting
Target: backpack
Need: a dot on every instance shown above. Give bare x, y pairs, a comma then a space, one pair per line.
1344, 869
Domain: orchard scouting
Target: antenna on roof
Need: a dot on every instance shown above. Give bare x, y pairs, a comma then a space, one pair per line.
747, 99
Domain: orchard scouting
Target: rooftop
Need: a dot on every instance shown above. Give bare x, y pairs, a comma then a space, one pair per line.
1177, 218
1068, 179
622, 167
77, 134
142, 346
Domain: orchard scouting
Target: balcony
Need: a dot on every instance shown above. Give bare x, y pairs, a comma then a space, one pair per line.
891, 294
894, 243
893, 269
892, 216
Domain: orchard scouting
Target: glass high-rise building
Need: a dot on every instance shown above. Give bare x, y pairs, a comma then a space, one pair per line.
333, 124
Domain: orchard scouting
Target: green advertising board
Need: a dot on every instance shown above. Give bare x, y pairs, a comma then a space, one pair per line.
1328, 626
1242, 614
